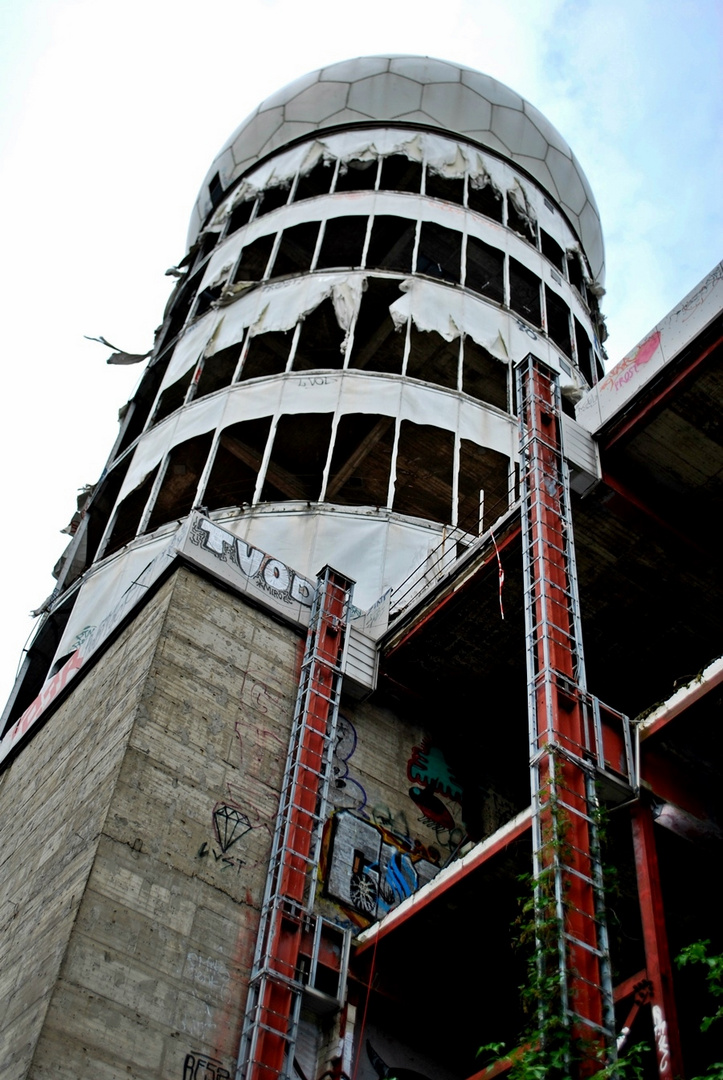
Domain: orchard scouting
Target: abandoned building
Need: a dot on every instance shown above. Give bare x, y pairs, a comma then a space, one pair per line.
310, 695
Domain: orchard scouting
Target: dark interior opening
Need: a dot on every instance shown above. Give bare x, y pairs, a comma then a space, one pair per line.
483, 376
485, 200
440, 252
321, 340
391, 244
254, 259
316, 182
129, 513
215, 190
140, 405
298, 457
266, 354
361, 461
377, 345
206, 298
432, 358
357, 176
240, 215
272, 199
481, 469
485, 270
583, 347
552, 251
558, 321
574, 272
448, 188
296, 249
100, 509
173, 396
525, 293
423, 485
343, 242
236, 465
400, 174
519, 223
218, 370
180, 480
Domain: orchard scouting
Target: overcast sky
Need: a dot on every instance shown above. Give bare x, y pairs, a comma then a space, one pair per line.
110, 115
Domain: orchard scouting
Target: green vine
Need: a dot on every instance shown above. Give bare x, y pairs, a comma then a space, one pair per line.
699, 953
549, 1048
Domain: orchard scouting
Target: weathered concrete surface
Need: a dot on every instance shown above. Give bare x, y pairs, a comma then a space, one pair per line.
129, 912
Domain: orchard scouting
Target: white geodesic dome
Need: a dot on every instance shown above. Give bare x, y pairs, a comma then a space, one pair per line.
418, 91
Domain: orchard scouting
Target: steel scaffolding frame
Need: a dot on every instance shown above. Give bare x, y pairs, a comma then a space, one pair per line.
577, 745
291, 937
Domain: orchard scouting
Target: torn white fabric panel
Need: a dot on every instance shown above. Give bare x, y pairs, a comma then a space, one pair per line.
450, 312
222, 261
522, 203
346, 297
190, 347
204, 415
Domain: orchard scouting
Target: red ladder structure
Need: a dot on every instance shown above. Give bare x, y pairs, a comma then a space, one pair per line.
292, 943
576, 744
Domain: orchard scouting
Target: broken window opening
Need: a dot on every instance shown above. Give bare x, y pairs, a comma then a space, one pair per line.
206, 299
485, 270
377, 345
525, 293
483, 483
448, 188
296, 249
391, 244
272, 198
218, 370
558, 322
433, 359
208, 243
266, 354
316, 182
574, 271
583, 348
440, 252
129, 513
177, 493
254, 259
400, 173
236, 466
520, 224
141, 403
361, 461
552, 251
215, 190
172, 397
485, 200
483, 377
321, 340
240, 215
298, 457
178, 308
424, 470
343, 242
357, 175
99, 511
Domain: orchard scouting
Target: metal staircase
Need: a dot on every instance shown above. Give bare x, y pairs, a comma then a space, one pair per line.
578, 747
298, 953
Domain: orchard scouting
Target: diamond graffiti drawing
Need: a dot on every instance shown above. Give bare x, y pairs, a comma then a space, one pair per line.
229, 825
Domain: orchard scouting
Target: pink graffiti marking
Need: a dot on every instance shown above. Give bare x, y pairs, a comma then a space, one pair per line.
629, 366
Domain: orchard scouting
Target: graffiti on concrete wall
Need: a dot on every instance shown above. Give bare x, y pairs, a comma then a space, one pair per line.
346, 792
371, 869
436, 793
200, 1067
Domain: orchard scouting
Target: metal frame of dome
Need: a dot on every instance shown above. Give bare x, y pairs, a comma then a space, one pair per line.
418, 91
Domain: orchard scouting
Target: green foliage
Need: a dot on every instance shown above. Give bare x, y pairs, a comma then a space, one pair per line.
699, 953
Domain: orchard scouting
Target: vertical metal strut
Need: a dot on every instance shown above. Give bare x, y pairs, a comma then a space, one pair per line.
572, 745
287, 923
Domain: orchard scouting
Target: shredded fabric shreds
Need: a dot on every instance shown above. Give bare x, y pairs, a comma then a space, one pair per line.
500, 572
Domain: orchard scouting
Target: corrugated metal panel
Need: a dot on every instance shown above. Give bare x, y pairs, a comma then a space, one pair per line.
582, 454
361, 664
